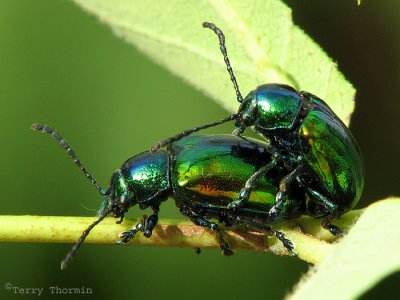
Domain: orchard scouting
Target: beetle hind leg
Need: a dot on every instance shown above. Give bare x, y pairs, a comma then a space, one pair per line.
329, 207
281, 196
201, 221
288, 244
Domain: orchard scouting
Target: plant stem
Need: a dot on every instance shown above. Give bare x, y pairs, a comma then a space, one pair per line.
175, 233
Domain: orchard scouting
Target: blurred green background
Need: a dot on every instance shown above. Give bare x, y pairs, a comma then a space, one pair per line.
60, 66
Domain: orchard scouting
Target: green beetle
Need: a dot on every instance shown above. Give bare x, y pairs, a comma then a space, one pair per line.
307, 134
204, 174
318, 150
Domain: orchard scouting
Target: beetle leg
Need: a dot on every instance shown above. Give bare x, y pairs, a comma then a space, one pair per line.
332, 228
121, 218
251, 183
281, 196
150, 223
322, 200
201, 221
126, 236
288, 244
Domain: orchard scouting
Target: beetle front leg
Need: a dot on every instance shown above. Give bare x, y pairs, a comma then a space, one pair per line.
251, 183
126, 236
146, 225
150, 223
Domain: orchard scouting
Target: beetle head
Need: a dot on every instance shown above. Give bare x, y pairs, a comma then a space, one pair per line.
119, 197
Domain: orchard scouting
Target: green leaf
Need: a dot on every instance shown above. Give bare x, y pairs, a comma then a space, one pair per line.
369, 253
263, 44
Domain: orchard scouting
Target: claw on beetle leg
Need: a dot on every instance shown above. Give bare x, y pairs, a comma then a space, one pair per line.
201, 221
244, 196
276, 208
126, 236
288, 244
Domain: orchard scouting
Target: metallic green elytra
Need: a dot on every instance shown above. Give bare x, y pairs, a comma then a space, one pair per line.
325, 156
209, 171
204, 174
318, 151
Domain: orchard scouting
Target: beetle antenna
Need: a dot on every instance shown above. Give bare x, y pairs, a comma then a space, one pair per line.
221, 37
71, 254
70, 152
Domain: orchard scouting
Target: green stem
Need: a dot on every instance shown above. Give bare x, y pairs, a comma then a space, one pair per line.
176, 233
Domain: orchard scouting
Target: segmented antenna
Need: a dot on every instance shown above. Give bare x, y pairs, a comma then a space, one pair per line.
187, 132
70, 152
221, 37
71, 254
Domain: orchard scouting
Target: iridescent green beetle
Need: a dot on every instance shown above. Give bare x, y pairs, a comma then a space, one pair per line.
204, 174
318, 150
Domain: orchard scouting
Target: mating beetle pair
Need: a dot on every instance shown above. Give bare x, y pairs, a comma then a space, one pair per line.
312, 165
204, 174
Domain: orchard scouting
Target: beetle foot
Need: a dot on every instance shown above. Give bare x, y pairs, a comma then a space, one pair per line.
288, 244
227, 252
276, 208
126, 236
121, 218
